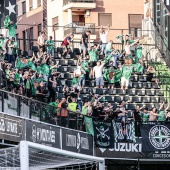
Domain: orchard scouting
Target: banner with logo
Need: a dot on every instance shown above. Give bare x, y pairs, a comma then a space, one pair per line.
155, 136
12, 128
43, 134
88, 122
76, 141
124, 134
103, 133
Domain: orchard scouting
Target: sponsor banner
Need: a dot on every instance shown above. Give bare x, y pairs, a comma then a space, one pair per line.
78, 142
12, 128
121, 150
159, 155
124, 134
155, 136
103, 133
43, 134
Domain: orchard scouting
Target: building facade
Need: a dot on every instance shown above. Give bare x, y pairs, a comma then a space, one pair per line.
59, 18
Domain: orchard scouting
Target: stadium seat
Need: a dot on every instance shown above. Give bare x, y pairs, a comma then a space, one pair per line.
59, 50
155, 99
126, 98
62, 69
35, 48
134, 78
60, 89
162, 99
130, 106
72, 62
120, 91
99, 91
117, 99
63, 62
150, 92
142, 78
146, 99
70, 69
155, 86
112, 92
76, 51
136, 99
140, 92
109, 99
68, 83
159, 92
131, 92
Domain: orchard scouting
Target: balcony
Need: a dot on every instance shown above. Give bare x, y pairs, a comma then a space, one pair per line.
79, 4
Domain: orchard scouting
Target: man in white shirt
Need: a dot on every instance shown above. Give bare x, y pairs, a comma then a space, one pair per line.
41, 41
97, 72
103, 38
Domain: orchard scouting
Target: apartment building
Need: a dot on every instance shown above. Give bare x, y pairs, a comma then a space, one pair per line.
31, 24
78, 15
59, 18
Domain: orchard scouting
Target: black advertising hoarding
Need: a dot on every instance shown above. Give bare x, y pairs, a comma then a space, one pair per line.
155, 136
43, 134
76, 141
12, 128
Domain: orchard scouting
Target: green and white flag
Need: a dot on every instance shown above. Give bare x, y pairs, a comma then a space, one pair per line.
89, 125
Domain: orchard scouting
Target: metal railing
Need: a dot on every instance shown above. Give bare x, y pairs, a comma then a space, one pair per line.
79, 28
65, 2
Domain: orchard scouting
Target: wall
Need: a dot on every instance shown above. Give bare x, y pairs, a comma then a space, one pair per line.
120, 10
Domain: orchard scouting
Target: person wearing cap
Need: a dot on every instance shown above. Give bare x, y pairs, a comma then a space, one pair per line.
103, 38
50, 46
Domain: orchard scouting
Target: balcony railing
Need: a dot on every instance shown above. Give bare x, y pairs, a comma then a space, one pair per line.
79, 28
78, 1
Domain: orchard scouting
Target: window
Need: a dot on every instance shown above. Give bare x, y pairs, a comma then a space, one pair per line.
135, 23
38, 3
105, 19
31, 37
39, 29
24, 7
55, 23
30, 5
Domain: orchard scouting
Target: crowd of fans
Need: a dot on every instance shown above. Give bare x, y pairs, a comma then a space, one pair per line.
37, 77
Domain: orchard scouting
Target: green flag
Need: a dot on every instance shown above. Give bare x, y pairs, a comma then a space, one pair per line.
89, 125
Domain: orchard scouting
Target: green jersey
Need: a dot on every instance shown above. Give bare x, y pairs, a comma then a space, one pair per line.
162, 115
145, 117
138, 68
16, 46
127, 71
84, 110
1, 43
85, 66
50, 44
93, 55
138, 54
45, 69
31, 65
74, 81
17, 78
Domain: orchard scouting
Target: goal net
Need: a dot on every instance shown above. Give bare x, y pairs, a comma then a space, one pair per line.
31, 156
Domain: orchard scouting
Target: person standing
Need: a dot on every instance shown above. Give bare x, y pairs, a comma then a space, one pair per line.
52, 83
84, 41
97, 72
41, 41
11, 26
103, 38
50, 46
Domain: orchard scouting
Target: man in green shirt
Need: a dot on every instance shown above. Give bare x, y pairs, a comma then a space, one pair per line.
93, 54
16, 47
11, 26
145, 115
126, 73
85, 66
50, 46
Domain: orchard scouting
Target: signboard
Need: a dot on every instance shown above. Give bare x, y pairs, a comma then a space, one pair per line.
43, 134
155, 136
76, 141
12, 128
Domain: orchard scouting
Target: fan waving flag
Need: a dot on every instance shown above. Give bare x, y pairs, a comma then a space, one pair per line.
10, 9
